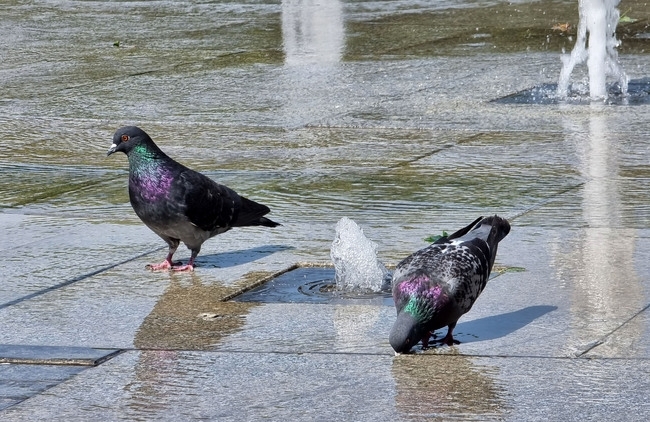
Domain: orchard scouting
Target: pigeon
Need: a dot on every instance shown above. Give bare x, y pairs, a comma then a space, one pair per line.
435, 286
177, 203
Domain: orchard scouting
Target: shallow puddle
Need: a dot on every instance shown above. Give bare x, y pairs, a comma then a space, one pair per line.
383, 114
638, 91
311, 285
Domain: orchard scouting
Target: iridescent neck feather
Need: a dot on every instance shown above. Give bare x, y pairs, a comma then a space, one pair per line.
150, 173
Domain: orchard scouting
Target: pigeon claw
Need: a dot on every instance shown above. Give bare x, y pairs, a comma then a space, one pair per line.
449, 340
168, 266
183, 268
165, 265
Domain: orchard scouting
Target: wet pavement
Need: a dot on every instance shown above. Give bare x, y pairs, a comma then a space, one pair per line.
378, 111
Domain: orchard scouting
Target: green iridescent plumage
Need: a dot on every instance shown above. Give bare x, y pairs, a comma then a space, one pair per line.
418, 309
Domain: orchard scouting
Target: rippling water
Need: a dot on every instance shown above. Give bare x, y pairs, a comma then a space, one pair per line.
393, 127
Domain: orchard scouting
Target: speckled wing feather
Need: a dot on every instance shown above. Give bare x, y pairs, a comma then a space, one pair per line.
459, 233
462, 268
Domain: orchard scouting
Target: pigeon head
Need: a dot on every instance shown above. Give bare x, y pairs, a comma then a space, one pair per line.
126, 138
406, 332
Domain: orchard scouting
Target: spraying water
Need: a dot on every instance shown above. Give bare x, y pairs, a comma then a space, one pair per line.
355, 259
599, 18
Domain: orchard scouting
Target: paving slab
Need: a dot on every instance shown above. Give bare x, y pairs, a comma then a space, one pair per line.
252, 386
70, 250
18, 382
11, 353
127, 309
378, 111
629, 341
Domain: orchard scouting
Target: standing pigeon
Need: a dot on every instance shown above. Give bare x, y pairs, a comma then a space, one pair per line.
435, 286
179, 204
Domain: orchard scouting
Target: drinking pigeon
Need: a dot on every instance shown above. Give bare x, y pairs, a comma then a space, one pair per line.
435, 286
177, 203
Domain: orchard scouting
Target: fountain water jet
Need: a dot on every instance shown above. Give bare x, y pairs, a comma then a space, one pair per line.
355, 259
599, 18
359, 277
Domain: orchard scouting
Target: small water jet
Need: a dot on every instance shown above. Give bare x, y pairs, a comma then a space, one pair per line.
598, 18
358, 277
355, 260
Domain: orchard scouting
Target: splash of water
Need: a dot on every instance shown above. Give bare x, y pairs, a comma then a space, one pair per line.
355, 259
599, 18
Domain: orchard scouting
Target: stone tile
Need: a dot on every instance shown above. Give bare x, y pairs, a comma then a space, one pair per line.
14, 353
62, 251
20, 382
314, 386
629, 341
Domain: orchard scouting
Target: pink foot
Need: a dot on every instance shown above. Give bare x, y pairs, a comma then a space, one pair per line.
188, 268
169, 266
165, 265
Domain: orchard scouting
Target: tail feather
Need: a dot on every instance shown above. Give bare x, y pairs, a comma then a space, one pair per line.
464, 230
251, 214
263, 221
499, 229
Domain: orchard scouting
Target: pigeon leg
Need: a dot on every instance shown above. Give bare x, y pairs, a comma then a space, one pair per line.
190, 263
167, 264
425, 340
449, 338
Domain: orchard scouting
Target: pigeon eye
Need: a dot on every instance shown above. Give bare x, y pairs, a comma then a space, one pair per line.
125, 138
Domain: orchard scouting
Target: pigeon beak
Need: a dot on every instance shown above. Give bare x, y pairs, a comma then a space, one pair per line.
111, 149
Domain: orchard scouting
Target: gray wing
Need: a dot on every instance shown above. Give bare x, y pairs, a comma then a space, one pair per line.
463, 267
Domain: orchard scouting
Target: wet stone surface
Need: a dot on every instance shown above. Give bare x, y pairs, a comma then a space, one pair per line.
379, 111
311, 285
182, 385
638, 92
11, 353
19, 382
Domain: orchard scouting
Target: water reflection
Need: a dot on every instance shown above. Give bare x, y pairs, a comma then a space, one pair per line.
188, 316
600, 266
148, 391
446, 387
313, 36
191, 316
356, 326
312, 31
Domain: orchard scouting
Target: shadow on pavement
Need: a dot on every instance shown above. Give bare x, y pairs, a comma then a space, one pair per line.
244, 256
496, 326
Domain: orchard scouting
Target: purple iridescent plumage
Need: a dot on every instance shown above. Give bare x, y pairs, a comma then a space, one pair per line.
154, 185
435, 286
420, 285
